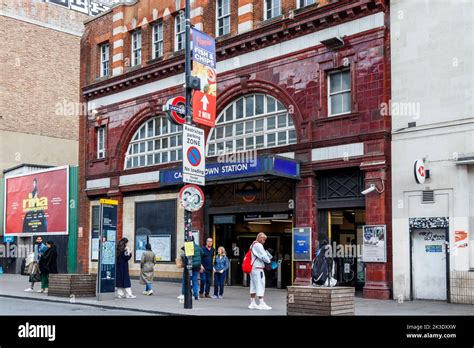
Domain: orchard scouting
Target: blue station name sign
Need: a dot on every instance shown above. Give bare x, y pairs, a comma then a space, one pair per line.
267, 165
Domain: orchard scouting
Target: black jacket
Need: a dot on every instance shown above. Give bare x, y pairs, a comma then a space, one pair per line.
48, 262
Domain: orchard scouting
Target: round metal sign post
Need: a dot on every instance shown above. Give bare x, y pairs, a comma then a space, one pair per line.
191, 197
420, 171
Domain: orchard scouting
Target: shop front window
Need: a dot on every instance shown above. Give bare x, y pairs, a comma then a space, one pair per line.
157, 141
253, 122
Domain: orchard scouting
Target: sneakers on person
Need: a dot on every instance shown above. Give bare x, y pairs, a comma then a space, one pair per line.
150, 292
253, 305
45, 291
180, 297
201, 295
214, 296
221, 297
130, 296
145, 292
208, 296
264, 306
29, 290
40, 290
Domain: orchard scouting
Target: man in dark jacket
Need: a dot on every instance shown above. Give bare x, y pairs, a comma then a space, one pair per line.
48, 265
197, 266
207, 262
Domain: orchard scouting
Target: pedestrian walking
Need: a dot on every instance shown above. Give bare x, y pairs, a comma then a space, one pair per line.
147, 269
196, 269
257, 277
48, 264
33, 269
122, 275
221, 265
206, 274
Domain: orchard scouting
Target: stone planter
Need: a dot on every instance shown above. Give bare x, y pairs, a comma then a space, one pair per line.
65, 285
310, 300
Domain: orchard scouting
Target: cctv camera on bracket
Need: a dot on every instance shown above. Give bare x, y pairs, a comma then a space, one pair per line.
369, 190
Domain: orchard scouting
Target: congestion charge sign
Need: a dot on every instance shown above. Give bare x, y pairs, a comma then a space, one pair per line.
194, 163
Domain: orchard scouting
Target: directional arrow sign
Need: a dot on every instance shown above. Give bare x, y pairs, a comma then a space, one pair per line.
204, 102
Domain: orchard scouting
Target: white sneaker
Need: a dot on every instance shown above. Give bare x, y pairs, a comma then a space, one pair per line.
40, 290
45, 291
150, 292
254, 305
29, 290
130, 296
145, 292
180, 297
120, 296
264, 306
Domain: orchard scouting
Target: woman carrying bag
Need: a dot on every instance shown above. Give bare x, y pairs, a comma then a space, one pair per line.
147, 267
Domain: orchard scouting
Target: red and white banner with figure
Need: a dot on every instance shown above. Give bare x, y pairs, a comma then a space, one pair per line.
204, 67
37, 203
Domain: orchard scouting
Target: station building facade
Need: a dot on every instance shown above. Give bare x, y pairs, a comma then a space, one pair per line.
300, 86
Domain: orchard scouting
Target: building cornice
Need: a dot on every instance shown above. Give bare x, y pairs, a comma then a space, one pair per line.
305, 21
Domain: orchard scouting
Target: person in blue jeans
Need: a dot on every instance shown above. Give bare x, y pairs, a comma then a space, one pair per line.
197, 267
221, 265
206, 275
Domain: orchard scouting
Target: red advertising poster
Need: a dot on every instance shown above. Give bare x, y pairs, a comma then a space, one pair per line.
37, 203
204, 67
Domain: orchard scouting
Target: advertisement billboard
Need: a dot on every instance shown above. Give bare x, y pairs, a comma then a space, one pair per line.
204, 67
37, 203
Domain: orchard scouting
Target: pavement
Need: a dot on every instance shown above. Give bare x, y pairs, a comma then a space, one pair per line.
235, 301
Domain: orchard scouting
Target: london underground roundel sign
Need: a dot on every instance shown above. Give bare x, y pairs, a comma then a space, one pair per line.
420, 172
191, 197
175, 108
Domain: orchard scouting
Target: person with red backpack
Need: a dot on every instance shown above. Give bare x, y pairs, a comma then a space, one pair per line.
254, 263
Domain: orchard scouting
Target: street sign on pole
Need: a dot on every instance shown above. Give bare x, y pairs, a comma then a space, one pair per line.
194, 160
191, 198
176, 109
204, 67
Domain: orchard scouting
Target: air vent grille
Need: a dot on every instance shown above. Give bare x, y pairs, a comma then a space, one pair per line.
428, 196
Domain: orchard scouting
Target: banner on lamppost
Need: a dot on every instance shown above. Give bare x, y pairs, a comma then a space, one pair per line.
204, 67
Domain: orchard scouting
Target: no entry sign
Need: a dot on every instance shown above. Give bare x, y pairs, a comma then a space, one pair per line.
193, 155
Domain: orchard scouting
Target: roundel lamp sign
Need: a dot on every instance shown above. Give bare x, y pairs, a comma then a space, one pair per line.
176, 109
191, 197
420, 172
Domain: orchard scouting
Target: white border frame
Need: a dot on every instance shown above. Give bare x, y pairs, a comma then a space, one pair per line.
21, 234
293, 244
385, 243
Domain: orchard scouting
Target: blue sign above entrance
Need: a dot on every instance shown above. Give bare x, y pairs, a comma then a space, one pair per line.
262, 165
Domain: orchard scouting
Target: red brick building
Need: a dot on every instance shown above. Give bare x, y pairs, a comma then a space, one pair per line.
297, 80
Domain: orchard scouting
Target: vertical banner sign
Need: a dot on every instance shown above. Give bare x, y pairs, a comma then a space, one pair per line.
204, 67
107, 242
194, 161
302, 244
375, 243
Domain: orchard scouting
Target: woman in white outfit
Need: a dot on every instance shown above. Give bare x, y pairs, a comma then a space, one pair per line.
257, 277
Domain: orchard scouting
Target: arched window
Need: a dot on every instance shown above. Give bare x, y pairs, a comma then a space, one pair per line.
157, 141
255, 121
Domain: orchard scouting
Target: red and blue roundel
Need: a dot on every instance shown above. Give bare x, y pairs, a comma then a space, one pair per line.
176, 110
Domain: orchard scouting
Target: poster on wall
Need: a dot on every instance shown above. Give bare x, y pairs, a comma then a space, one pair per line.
37, 203
302, 244
140, 244
161, 246
374, 243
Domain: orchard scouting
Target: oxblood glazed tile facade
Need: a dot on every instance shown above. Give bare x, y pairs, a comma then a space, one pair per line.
276, 58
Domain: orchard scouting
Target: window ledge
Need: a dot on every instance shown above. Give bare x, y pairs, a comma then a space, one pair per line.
353, 116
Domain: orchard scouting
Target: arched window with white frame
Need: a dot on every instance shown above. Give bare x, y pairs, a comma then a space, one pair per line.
252, 122
157, 141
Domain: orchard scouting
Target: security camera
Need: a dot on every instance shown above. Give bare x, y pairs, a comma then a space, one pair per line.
369, 190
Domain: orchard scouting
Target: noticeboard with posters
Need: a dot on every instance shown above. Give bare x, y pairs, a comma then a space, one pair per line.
374, 243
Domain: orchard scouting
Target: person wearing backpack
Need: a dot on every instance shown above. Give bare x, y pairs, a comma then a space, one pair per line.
259, 257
